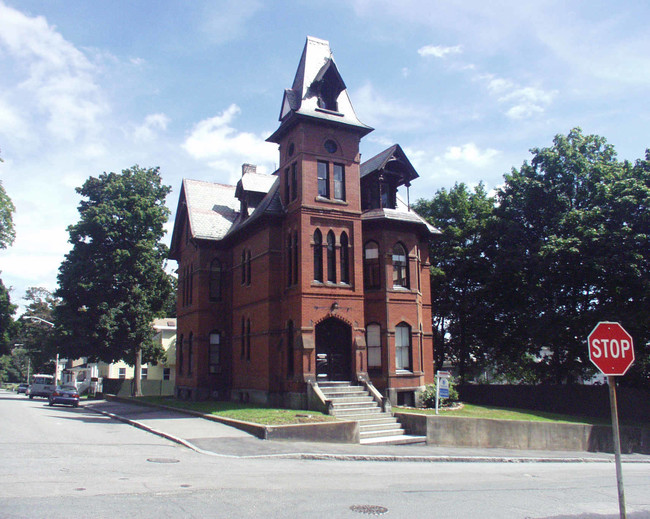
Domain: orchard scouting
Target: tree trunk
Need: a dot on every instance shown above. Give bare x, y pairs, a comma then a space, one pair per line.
137, 383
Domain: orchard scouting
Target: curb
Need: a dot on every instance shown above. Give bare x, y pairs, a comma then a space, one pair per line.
364, 457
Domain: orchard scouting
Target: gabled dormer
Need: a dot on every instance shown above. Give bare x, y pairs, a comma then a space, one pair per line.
251, 188
382, 175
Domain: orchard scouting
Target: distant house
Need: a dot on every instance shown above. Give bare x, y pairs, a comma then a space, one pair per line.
156, 379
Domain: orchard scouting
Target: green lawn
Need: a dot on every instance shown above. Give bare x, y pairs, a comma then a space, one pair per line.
245, 412
500, 413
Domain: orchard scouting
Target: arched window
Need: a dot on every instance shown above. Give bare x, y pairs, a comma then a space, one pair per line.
373, 341
318, 256
215, 280
331, 258
403, 347
371, 277
214, 354
190, 353
400, 266
290, 349
345, 259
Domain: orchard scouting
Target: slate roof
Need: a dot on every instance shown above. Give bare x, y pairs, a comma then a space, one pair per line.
401, 214
212, 208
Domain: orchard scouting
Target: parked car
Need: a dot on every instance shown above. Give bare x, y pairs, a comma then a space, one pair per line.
66, 395
42, 385
22, 388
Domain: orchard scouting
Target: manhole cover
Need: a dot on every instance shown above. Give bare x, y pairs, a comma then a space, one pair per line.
369, 509
163, 460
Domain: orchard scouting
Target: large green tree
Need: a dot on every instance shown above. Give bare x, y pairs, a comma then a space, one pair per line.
458, 274
7, 231
568, 247
7, 310
112, 283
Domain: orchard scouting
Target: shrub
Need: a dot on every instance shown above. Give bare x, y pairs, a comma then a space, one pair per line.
428, 396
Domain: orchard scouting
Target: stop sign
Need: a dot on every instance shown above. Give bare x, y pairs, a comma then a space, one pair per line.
611, 348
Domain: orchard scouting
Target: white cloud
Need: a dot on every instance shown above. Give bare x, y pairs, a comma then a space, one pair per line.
224, 148
153, 123
439, 51
521, 101
228, 20
471, 154
57, 77
374, 109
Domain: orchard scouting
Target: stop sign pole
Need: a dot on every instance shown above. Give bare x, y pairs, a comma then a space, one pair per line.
611, 349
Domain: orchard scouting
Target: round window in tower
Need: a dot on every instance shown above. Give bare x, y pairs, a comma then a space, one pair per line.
331, 146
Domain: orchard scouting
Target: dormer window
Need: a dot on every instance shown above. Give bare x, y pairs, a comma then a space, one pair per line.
327, 86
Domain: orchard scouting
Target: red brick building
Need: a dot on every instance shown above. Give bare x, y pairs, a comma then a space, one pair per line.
316, 272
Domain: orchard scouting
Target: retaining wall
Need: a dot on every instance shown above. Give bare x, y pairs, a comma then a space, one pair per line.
510, 434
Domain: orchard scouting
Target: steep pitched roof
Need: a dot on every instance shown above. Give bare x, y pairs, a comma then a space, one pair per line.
392, 160
213, 211
317, 78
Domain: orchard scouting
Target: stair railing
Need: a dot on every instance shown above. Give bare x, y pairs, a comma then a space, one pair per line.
317, 399
384, 403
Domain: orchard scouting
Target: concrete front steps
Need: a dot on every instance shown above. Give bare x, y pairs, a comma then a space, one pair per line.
375, 426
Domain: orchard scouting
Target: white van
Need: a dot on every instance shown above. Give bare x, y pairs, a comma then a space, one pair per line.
42, 385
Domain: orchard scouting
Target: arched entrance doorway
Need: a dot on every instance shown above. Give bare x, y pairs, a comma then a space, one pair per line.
333, 350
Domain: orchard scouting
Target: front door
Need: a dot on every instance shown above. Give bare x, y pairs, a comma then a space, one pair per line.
333, 350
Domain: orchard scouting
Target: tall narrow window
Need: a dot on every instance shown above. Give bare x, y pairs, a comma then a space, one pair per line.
243, 337
214, 353
287, 189
289, 259
373, 340
403, 347
294, 181
318, 256
248, 267
215, 280
290, 349
345, 259
248, 339
144, 373
400, 267
294, 253
323, 179
243, 267
181, 345
339, 181
190, 353
371, 278
191, 289
331, 258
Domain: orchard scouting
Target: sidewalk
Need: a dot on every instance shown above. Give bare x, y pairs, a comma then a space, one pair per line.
217, 439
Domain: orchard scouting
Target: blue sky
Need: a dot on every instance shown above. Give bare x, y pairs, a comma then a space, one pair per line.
465, 87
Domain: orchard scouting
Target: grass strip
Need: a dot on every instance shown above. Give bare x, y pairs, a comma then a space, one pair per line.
253, 413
